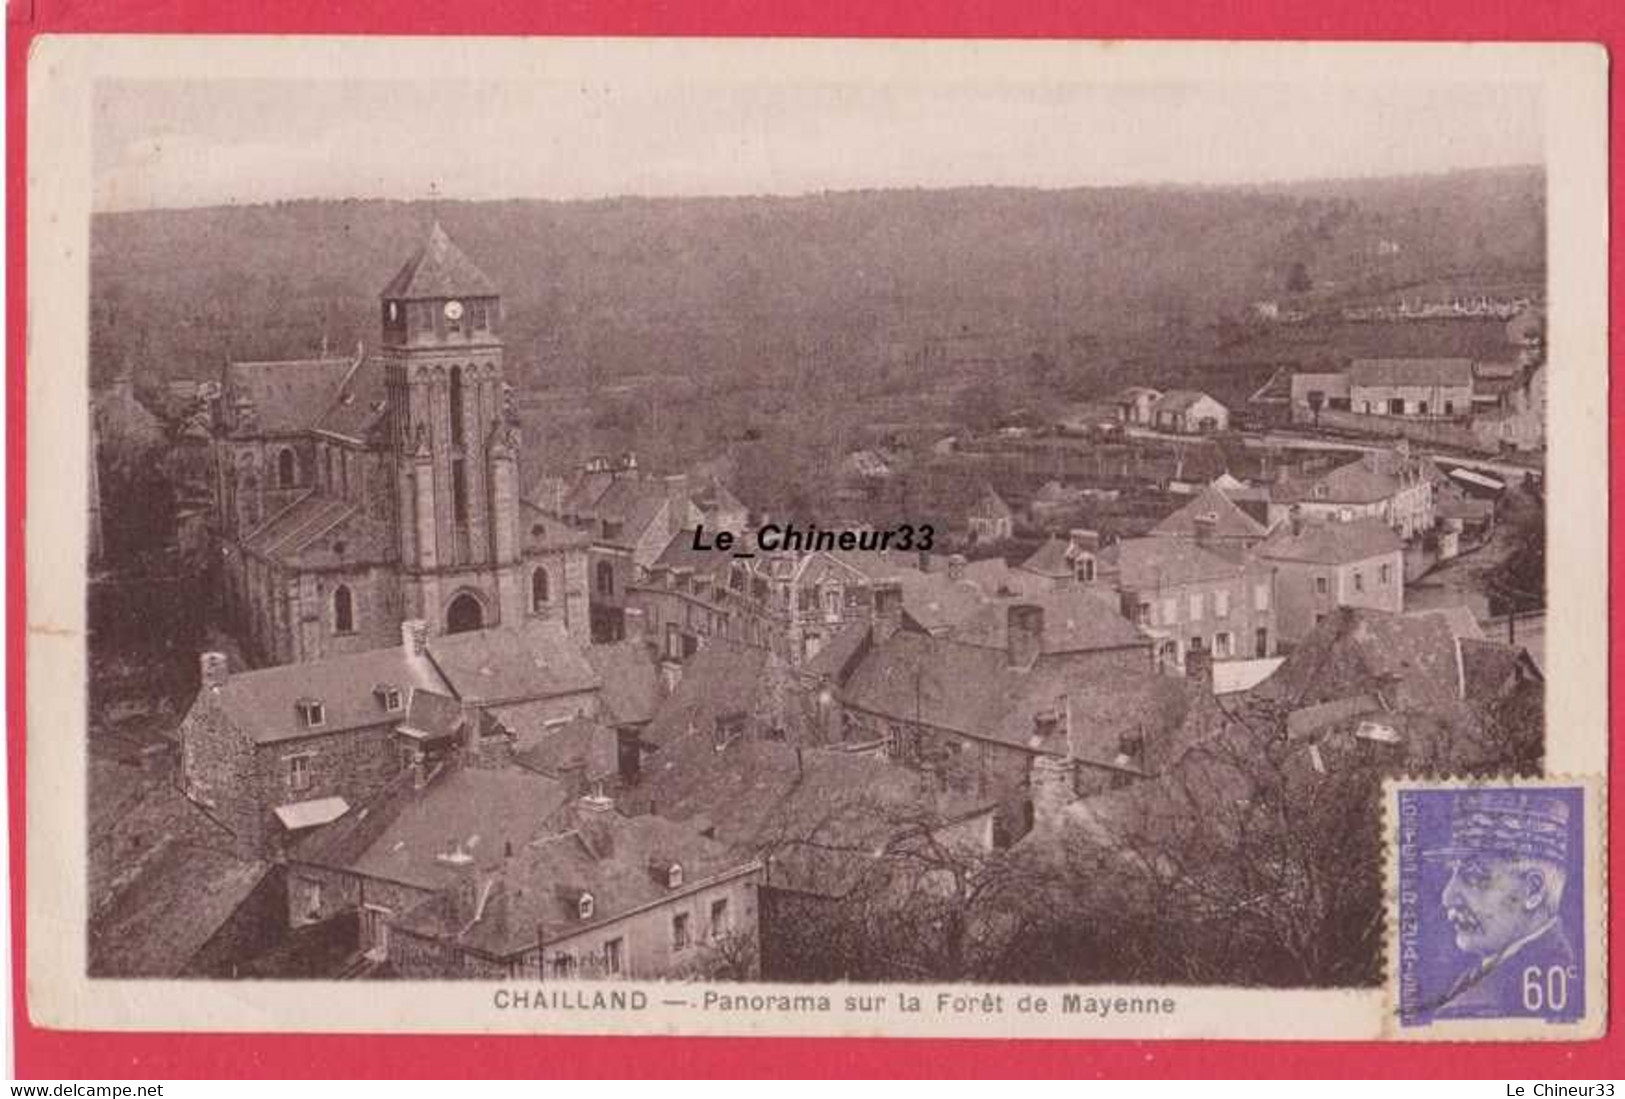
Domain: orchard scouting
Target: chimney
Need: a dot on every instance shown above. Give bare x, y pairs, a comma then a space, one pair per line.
888, 596
415, 637
1052, 786
216, 669
956, 567
1024, 635
1205, 526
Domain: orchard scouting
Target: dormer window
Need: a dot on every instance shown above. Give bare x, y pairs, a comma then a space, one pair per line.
584, 908
1320, 492
674, 876
389, 696
312, 713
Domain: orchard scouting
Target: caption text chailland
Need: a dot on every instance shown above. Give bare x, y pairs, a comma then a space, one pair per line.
855, 1005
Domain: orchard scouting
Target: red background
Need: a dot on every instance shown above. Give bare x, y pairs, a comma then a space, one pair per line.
83, 1055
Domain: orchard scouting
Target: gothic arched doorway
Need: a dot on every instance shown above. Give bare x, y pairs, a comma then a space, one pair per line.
464, 614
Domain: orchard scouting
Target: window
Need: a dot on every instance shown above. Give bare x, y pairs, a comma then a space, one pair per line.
313, 898
674, 642
1345, 515
312, 712
1422, 407
1322, 585
298, 773
605, 575
1170, 610
584, 906
721, 920
1261, 642
674, 876
564, 966
1450, 408
1221, 604
1142, 614
1320, 492
343, 610
287, 469
1385, 573
459, 490
457, 406
538, 590
389, 696
832, 602
1261, 597
613, 953
679, 931
477, 318
1223, 645
327, 452
1359, 580
1084, 569
1196, 602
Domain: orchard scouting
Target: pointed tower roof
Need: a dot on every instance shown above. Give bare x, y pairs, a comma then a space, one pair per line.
439, 269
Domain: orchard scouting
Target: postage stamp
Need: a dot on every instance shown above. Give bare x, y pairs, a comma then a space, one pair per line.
1494, 919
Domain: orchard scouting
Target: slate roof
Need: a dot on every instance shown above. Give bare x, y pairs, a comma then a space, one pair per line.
630, 680
1412, 661
815, 815
579, 744
605, 854
1332, 386
1411, 372
288, 396
309, 532
1355, 482
724, 679
263, 703
534, 660
1076, 619
402, 834
439, 269
836, 657
1050, 559
970, 689
1229, 520
360, 405
131, 812
1146, 564
1180, 400
1331, 543
178, 899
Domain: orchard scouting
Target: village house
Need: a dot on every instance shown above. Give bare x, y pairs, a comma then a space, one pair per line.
1059, 563
1315, 392
990, 518
278, 750
1188, 412
1211, 516
978, 714
1193, 596
1388, 485
496, 872
356, 492
1321, 565
1411, 387
1134, 405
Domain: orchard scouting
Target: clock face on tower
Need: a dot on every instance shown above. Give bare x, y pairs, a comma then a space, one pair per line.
454, 310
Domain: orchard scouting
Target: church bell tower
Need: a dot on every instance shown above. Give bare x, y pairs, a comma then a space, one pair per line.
455, 454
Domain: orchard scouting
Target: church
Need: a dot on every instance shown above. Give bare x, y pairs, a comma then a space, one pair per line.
356, 492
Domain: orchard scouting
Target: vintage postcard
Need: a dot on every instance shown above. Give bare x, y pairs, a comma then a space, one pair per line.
1042, 539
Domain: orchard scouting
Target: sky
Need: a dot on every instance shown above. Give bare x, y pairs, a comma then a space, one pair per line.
158, 143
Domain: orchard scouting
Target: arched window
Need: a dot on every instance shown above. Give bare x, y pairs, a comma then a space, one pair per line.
287, 469
343, 610
457, 406
606, 578
538, 590
464, 614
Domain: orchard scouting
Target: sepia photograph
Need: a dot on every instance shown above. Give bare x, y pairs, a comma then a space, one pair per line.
746, 544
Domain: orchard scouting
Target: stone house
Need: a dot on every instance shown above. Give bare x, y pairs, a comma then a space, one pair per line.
1411, 387
1212, 516
1189, 412
1135, 403
990, 518
1388, 485
1194, 596
1322, 565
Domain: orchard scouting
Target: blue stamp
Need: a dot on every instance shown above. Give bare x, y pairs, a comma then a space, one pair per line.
1491, 903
